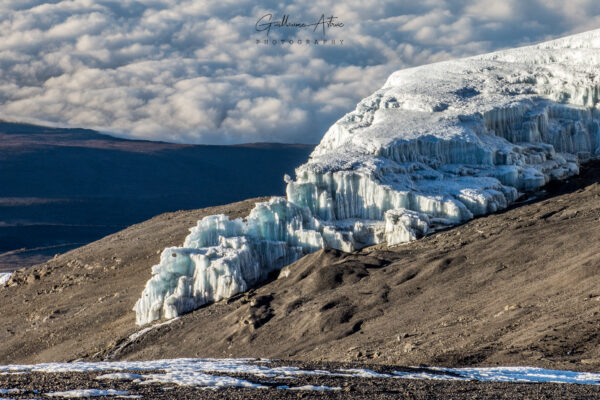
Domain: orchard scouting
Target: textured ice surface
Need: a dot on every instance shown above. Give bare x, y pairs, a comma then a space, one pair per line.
222, 257
204, 373
434, 147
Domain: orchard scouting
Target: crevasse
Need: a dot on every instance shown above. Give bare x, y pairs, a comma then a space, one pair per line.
434, 147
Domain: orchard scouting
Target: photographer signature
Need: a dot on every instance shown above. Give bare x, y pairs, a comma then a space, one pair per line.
265, 23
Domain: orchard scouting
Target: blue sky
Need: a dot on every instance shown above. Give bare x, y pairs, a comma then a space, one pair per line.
192, 72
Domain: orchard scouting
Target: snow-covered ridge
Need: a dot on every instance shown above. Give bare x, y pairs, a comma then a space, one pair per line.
434, 147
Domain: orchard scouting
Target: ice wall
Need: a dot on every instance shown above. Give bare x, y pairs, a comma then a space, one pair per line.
434, 147
222, 257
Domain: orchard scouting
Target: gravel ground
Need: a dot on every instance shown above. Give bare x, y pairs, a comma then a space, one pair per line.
36, 385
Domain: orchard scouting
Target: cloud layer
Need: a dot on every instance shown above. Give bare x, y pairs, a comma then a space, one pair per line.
191, 71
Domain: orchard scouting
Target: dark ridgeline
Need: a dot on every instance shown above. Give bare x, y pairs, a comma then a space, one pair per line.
62, 188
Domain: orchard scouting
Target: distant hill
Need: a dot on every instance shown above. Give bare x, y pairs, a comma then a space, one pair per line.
63, 188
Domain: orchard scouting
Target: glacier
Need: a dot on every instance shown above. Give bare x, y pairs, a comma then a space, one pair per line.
436, 146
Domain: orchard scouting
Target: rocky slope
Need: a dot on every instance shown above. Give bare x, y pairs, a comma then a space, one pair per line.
513, 288
81, 301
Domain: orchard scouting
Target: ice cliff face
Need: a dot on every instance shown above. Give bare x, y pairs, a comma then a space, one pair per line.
435, 146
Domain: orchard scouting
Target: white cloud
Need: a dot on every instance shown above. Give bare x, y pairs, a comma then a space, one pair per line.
190, 71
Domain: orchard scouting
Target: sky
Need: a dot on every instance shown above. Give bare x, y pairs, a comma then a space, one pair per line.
200, 72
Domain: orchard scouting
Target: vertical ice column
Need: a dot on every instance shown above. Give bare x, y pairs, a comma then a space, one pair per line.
403, 226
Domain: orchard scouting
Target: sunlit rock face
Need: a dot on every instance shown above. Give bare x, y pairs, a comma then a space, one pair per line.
434, 147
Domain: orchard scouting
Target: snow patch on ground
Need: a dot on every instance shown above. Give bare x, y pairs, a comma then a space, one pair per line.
11, 391
365, 373
213, 373
510, 374
120, 375
4, 277
311, 388
78, 393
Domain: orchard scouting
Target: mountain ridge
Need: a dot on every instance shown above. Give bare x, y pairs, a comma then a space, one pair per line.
60, 188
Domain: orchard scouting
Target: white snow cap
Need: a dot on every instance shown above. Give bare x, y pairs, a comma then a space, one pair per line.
434, 147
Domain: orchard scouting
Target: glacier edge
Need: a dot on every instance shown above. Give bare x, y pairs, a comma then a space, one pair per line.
436, 146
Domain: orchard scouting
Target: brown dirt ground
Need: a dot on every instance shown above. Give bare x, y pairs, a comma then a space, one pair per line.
519, 287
